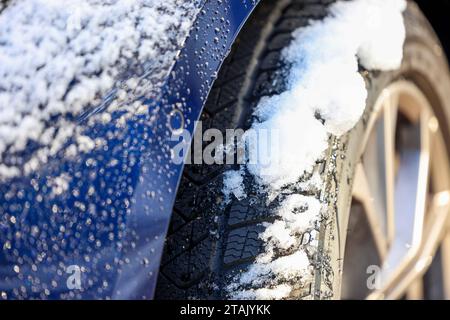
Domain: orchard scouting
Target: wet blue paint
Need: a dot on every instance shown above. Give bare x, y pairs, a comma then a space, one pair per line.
112, 220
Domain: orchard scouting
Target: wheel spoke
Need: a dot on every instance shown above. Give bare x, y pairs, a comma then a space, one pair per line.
390, 120
362, 193
411, 191
446, 264
423, 177
420, 259
405, 197
415, 290
417, 261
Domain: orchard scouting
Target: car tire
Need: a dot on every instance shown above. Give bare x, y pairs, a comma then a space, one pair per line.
209, 244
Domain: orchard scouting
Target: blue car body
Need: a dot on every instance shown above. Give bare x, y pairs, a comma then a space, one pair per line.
115, 234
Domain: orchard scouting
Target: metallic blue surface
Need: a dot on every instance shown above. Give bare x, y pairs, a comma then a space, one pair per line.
112, 220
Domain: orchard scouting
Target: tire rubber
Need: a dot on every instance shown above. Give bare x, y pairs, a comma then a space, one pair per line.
207, 245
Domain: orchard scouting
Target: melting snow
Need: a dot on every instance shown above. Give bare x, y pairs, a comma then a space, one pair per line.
276, 293
324, 82
233, 183
265, 274
61, 56
325, 95
295, 215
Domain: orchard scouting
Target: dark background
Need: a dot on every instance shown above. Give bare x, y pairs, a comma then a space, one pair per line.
438, 13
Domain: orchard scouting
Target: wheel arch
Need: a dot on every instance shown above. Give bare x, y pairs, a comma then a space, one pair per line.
186, 90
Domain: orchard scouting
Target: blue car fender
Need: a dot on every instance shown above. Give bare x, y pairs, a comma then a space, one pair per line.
102, 236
